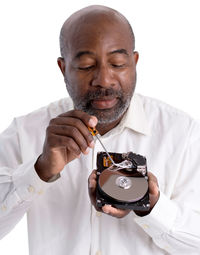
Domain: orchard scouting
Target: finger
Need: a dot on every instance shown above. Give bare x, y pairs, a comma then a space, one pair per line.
152, 177
92, 178
114, 212
73, 124
92, 182
89, 120
154, 192
153, 184
67, 143
153, 189
69, 132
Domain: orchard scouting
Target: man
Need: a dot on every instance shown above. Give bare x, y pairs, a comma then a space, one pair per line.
47, 156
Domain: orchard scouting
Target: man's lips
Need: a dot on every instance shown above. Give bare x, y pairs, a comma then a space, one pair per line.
104, 103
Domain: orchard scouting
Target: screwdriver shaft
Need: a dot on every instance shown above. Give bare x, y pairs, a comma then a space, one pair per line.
97, 136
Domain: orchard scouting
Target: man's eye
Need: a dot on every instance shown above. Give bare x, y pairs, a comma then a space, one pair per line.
87, 68
118, 66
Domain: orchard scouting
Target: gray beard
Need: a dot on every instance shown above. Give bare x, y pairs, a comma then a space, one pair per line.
106, 116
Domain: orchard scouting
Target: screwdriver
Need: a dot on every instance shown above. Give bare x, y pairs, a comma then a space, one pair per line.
95, 133
122, 165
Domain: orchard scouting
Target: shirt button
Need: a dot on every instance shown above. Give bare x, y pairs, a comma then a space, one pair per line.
145, 226
40, 192
98, 253
31, 189
3, 208
98, 214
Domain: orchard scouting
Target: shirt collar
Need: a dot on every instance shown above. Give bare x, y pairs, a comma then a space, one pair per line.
135, 117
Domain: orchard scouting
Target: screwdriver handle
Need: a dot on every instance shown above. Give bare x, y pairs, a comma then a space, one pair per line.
93, 131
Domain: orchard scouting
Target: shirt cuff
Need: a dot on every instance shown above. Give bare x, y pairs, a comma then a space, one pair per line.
27, 183
161, 219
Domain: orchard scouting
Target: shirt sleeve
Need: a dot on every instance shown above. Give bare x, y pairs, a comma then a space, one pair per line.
19, 182
174, 222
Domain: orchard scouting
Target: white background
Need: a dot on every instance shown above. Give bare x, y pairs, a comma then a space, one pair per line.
167, 38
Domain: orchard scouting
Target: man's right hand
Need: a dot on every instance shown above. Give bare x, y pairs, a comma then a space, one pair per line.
67, 136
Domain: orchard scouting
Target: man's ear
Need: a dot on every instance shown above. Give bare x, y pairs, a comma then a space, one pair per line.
135, 56
61, 64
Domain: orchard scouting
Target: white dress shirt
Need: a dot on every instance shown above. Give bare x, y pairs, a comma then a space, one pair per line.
61, 220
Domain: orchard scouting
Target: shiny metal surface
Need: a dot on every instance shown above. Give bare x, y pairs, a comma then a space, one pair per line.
123, 186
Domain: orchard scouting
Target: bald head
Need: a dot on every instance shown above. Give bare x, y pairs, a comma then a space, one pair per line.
86, 18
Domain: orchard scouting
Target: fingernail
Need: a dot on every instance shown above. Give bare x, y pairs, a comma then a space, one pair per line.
90, 185
106, 208
87, 150
91, 144
93, 121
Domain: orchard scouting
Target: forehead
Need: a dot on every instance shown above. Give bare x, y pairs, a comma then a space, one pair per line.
100, 37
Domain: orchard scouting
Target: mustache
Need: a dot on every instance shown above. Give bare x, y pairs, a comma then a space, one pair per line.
100, 93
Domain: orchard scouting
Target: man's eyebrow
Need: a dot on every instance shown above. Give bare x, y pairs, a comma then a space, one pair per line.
81, 53
120, 51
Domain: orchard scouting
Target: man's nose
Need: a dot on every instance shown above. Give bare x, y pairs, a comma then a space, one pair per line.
103, 77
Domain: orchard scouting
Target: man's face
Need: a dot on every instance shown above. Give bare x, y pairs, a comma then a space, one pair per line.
100, 70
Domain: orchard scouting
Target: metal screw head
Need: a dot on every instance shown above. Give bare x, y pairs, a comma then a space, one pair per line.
124, 182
